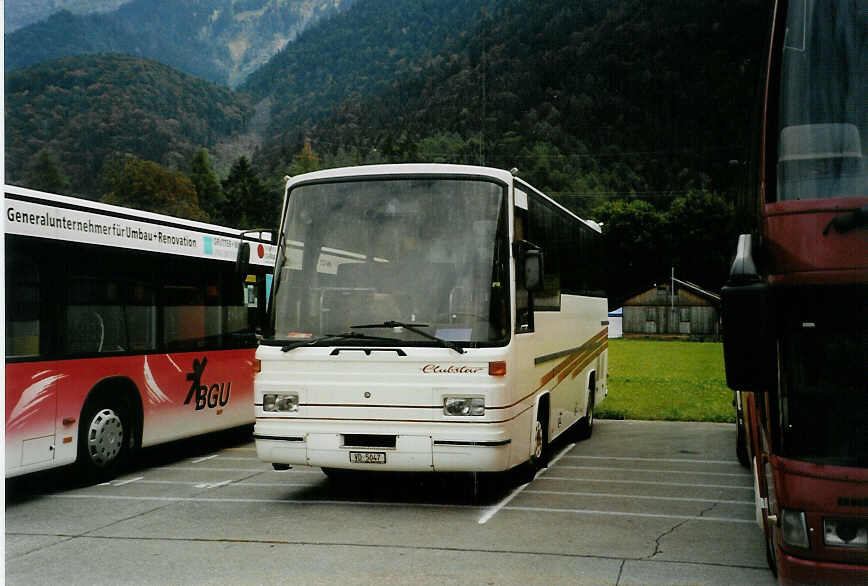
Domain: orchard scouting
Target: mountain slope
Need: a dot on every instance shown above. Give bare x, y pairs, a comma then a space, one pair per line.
648, 98
20, 13
219, 40
85, 109
356, 55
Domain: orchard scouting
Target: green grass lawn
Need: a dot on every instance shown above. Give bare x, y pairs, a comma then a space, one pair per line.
674, 381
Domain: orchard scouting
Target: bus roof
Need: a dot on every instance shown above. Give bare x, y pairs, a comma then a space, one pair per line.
402, 169
425, 169
57, 217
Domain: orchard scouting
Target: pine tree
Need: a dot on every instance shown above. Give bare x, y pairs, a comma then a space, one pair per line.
208, 189
45, 174
248, 203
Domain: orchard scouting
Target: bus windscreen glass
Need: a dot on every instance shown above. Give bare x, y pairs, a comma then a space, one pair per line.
824, 399
411, 250
822, 121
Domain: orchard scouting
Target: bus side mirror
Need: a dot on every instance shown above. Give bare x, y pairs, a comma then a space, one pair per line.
747, 310
242, 261
533, 270
529, 261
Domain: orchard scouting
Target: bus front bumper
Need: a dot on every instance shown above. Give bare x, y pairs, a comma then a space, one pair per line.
364, 446
793, 571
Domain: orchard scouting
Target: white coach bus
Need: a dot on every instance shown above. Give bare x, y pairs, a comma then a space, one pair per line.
429, 318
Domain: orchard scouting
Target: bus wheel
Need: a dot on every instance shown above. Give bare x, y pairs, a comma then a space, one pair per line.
585, 426
103, 439
540, 456
771, 548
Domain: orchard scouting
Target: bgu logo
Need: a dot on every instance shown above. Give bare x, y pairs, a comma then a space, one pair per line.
206, 396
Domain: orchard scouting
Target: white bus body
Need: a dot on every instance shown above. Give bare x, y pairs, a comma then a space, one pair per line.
511, 370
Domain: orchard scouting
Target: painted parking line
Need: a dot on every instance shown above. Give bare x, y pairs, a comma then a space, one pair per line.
217, 500
637, 459
215, 484
657, 471
212, 484
121, 482
208, 469
492, 511
625, 514
205, 459
649, 482
640, 497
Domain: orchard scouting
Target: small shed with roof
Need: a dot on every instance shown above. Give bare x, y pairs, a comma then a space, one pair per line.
673, 309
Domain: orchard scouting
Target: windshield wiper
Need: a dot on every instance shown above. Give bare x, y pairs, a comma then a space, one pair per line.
415, 328
328, 338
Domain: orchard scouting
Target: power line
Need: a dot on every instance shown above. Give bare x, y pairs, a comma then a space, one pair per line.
649, 194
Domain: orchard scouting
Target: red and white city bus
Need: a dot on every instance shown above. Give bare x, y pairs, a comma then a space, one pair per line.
124, 329
795, 309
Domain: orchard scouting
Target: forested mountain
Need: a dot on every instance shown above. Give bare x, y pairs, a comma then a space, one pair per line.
83, 110
595, 101
638, 97
358, 55
219, 40
20, 13
629, 112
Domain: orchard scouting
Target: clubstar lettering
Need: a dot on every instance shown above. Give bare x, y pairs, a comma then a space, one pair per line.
451, 369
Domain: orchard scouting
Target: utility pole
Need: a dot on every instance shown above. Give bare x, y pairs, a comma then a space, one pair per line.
672, 288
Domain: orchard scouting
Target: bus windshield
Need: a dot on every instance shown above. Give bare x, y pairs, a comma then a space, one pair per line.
822, 101
824, 399
427, 252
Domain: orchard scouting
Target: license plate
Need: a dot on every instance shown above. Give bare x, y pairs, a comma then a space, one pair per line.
368, 457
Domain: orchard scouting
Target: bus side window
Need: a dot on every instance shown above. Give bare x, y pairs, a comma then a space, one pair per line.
22, 306
106, 315
183, 316
140, 316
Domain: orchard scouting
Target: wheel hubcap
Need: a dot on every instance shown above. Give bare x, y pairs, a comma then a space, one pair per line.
537, 440
105, 437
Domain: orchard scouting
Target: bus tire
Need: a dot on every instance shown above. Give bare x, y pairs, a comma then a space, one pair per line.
771, 551
104, 437
539, 457
585, 426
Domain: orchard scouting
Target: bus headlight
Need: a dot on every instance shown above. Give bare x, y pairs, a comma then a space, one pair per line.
464, 406
280, 402
845, 533
794, 530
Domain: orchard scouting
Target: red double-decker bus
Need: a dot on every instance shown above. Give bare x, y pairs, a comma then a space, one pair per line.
124, 329
795, 308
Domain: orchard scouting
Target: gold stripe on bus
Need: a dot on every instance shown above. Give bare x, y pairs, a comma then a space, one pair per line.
591, 346
553, 372
603, 346
598, 344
